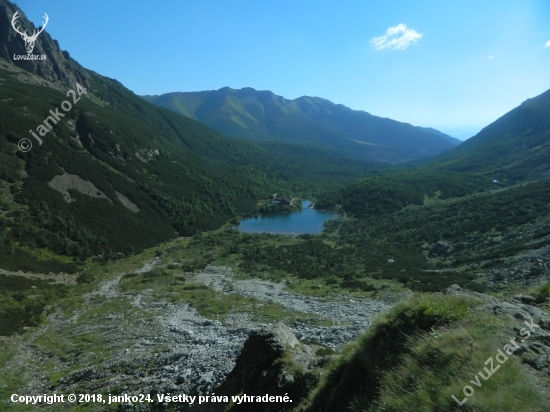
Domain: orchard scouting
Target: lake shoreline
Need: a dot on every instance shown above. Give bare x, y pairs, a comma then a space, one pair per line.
307, 220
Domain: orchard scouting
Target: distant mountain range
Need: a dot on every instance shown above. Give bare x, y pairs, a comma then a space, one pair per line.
262, 115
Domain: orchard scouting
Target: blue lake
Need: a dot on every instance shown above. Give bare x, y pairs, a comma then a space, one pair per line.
307, 220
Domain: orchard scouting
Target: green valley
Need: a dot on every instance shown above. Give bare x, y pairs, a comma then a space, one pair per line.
123, 269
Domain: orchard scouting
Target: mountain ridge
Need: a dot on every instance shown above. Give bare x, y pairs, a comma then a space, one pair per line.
445, 136
514, 147
313, 121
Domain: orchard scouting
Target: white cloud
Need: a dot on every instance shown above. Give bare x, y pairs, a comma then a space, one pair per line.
547, 44
398, 38
490, 57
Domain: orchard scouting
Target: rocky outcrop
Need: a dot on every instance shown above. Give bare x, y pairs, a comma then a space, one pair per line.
531, 269
272, 362
441, 248
65, 182
58, 65
494, 240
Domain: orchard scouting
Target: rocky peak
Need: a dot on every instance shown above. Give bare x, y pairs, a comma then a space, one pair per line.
58, 66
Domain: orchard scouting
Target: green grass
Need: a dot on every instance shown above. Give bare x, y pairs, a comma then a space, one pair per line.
441, 363
541, 292
15, 258
86, 347
419, 354
10, 381
356, 372
23, 301
213, 305
6, 353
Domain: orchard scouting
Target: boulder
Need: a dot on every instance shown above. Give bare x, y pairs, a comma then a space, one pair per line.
260, 369
441, 248
495, 240
460, 247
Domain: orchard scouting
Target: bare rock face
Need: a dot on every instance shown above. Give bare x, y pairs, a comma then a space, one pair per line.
64, 183
268, 364
58, 65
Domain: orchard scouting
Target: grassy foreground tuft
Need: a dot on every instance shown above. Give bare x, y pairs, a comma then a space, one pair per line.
420, 354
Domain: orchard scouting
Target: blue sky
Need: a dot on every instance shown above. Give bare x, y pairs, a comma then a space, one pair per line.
453, 65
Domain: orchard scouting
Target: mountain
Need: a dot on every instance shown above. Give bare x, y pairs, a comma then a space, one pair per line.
104, 291
57, 70
110, 174
312, 121
514, 147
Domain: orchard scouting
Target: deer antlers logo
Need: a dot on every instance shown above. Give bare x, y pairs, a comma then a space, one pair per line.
29, 40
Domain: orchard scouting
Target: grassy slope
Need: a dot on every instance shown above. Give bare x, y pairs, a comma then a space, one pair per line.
421, 353
389, 369
414, 358
513, 148
261, 115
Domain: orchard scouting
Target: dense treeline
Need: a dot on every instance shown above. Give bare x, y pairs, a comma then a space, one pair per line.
394, 245
393, 190
470, 220
347, 265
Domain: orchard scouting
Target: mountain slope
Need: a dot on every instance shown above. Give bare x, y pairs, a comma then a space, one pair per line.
57, 70
515, 147
118, 178
262, 115
116, 174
